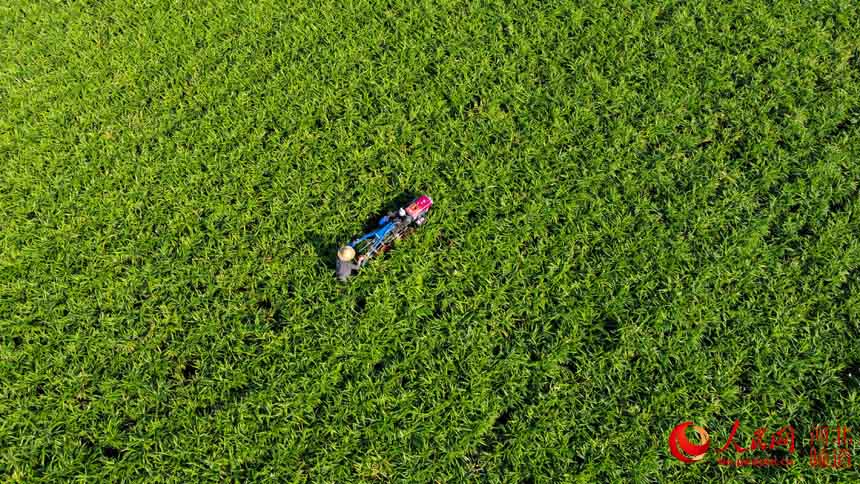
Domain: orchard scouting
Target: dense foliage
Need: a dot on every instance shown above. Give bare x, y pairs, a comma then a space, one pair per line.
646, 212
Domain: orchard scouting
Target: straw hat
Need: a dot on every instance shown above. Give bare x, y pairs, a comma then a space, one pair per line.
346, 253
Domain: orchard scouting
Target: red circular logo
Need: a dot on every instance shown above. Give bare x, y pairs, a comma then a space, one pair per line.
683, 449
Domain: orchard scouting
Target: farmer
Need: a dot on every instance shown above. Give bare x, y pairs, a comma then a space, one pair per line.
345, 265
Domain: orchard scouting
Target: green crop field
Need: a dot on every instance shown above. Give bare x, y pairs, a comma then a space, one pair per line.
645, 213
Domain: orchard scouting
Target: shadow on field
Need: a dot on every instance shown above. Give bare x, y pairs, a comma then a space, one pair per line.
325, 248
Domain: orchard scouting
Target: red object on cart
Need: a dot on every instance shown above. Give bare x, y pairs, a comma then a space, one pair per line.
419, 206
